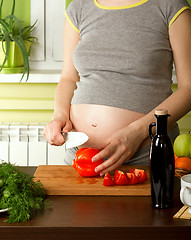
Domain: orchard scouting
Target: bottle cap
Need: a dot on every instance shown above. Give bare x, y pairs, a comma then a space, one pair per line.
161, 112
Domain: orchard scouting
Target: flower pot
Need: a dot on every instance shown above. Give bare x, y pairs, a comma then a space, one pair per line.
14, 63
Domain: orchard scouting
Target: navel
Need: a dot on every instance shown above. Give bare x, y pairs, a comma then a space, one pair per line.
94, 124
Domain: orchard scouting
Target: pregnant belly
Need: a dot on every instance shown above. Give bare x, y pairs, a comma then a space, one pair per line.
100, 122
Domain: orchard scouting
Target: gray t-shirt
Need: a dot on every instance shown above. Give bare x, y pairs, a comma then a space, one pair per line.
124, 57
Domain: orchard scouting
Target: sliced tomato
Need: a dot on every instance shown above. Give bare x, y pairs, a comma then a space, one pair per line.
120, 178
141, 174
131, 170
132, 178
116, 175
108, 181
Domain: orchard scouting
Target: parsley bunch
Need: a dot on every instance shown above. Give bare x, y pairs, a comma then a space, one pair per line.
19, 193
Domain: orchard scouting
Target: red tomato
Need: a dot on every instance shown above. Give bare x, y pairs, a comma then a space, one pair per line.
116, 175
132, 178
120, 178
140, 174
131, 170
107, 181
83, 162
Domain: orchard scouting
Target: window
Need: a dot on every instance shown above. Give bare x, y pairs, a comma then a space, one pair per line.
48, 53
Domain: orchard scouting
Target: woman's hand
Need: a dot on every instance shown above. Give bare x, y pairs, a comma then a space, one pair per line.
119, 148
52, 131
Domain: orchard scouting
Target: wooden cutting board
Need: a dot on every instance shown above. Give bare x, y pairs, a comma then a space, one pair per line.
65, 180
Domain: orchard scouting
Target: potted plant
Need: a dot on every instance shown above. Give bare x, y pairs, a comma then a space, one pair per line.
15, 42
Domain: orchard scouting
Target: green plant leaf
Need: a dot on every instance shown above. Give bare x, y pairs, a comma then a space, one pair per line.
13, 8
25, 54
6, 52
29, 29
33, 40
12, 13
26, 33
1, 4
4, 40
4, 25
14, 18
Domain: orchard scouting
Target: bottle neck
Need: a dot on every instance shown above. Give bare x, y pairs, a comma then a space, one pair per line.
161, 124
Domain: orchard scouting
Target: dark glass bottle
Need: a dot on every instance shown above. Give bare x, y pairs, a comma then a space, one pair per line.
161, 162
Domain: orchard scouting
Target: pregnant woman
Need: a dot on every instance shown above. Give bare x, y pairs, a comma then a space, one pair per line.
117, 69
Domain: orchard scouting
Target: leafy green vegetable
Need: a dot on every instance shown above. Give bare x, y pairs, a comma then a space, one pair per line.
19, 193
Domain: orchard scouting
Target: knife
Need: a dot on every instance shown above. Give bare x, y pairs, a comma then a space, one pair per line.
74, 139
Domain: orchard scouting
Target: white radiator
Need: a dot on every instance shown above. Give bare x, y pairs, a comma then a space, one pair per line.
24, 145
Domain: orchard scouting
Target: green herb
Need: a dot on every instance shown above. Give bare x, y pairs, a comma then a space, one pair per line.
19, 193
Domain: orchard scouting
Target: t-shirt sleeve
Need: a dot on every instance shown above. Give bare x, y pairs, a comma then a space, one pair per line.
72, 14
174, 9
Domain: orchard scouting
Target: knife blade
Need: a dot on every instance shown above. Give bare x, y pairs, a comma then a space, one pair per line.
74, 139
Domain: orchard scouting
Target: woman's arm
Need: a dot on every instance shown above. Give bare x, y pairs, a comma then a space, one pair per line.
123, 144
64, 91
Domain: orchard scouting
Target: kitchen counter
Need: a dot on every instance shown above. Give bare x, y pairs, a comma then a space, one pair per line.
100, 217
